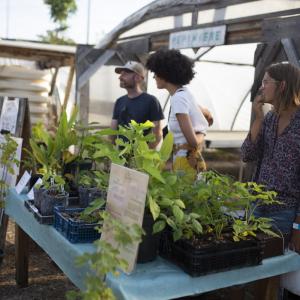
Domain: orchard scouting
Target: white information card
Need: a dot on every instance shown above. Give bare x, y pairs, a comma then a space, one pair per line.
22, 182
126, 201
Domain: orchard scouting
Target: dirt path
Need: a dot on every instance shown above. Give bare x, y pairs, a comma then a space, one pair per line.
46, 280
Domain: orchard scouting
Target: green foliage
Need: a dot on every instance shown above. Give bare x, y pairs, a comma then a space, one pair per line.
51, 152
8, 151
59, 10
56, 37
106, 259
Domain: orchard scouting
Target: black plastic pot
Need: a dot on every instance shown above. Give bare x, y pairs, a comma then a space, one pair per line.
197, 260
148, 248
38, 196
49, 201
88, 195
272, 246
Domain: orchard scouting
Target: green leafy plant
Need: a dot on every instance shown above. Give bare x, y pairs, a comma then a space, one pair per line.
59, 10
51, 151
8, 160
106, 259
256, 195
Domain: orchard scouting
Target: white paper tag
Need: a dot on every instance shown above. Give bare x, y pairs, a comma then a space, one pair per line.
30, 194
22, 182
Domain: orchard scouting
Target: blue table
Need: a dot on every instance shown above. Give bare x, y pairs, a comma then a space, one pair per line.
156, 280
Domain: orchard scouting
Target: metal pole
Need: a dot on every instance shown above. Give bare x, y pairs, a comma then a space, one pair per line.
88, 22
7, 18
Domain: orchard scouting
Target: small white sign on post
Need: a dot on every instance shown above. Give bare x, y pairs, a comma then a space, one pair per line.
22, 182
202, 37
126, 199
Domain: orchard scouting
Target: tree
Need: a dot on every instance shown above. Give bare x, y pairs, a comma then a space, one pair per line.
60, 10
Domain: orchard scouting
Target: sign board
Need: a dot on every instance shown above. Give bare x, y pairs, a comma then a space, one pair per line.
126, 199
202, 37
9, 115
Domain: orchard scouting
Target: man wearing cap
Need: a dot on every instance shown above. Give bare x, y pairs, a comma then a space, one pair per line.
136, 105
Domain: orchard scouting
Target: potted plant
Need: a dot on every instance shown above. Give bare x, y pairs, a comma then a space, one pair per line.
218, 241
50, 151
8, 160
92, 185
132, 151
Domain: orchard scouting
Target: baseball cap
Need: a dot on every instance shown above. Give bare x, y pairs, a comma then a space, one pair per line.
133, 66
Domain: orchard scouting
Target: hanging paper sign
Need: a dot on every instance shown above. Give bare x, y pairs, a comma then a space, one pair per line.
202, 37
9, 115
126, 202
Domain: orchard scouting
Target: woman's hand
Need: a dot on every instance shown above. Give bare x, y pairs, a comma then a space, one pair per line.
258, 105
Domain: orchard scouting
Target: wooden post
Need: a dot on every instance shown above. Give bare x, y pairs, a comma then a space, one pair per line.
69, 85
84, 103
22, 255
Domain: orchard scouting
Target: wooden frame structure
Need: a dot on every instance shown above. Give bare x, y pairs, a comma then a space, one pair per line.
273, 28
47, 56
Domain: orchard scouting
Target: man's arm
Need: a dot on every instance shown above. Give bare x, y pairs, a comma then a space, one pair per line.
113, 125
157, 131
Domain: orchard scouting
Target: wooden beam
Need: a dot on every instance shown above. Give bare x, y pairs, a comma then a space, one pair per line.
276, 29
290, 51
22, 256
49, 58
83, 102
254, 23
53, 81
92, 69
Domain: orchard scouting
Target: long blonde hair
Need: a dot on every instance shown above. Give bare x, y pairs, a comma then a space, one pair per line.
290, 94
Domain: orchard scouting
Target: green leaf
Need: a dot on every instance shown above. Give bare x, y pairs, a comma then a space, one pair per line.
197, 226
179, 203
178, 213
149, 168
167, 147
154, 208
158, 226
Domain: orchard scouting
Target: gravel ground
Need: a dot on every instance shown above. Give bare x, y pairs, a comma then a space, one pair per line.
46, 280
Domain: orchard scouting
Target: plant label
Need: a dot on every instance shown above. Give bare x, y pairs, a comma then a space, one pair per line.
126, 199
22, 182
30, 194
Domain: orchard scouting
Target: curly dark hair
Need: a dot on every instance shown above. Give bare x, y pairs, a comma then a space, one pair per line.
172, 66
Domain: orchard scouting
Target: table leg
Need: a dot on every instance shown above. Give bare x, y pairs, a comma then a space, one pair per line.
22, 255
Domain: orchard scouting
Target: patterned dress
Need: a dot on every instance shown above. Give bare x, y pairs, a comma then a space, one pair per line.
278, 160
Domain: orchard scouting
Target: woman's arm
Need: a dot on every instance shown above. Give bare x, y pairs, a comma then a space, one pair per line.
193, 139
259, 117
207, 114
252, 148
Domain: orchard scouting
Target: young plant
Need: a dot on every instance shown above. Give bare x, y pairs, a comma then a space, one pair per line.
255, 195
8, 160
106, 259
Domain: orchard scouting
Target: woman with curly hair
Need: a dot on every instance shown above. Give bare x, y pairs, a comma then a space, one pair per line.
172, 71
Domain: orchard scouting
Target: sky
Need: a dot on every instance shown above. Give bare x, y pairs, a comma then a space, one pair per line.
27, 19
